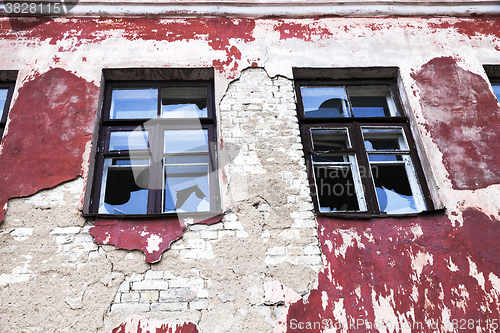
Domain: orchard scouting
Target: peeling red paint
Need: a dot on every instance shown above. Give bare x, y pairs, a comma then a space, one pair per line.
57, 110
218, 32
463, 119
366, 262
135, 324
151, 236
290, 29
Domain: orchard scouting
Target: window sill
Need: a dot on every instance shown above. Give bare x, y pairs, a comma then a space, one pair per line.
180, 215
369, 216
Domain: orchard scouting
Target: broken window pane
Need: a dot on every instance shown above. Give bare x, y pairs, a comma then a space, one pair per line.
186, 188
128, 140
384, 139
330, 139
134, 103
184, 102
371, 101
186, 141
125, 186
320, 102
335, 188
393, 189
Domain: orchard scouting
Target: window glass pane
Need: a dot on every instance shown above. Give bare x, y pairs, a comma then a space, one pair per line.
330, 139
3, 99
496, 89
370, 101
335, 188
385, 157
186, 189
128, 140
321, 102
125, 187
393, 189
384, 139
134, 103
186, 141
184, 102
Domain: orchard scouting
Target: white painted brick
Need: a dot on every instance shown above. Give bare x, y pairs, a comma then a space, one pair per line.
312, 250
82, 238
130, 307
242, 234
196, 244
202, 293
64, 239
198, 305
153, 275
233, 225
191, 235
66, 230
150, 285
304, 224
178, 306
197, 227
276, 251
124, 286
230, 217
196, 283
22, 232
130, 297
209, 234
310, 260
178, 295
135, 277
148, 296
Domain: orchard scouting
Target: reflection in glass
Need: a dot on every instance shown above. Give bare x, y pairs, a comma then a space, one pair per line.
125, 186
186, 188
330, 139
496, 90
186, 141
385, 158
184, 102
128, 140
335, 188
384, 139
134, 103
321, 102
3, 99
370, 101
393, 189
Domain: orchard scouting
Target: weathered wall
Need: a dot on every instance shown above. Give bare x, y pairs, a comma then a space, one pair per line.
269, 264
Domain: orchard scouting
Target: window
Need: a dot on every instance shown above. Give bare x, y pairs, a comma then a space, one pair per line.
6, 90
359, 150
156, 152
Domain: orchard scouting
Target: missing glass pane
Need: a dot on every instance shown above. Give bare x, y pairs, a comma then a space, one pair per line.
321, 102
330, 139
134, 103
126, 190
184, 102
384, 139
335, 188
393, 189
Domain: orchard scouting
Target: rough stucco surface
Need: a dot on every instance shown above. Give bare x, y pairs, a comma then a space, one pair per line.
257, 269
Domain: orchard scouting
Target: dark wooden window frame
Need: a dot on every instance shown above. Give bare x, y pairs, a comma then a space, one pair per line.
354, 124
5, 108
155, 128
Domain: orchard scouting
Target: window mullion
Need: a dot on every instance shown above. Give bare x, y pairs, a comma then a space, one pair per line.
365, 170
